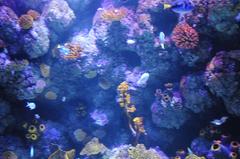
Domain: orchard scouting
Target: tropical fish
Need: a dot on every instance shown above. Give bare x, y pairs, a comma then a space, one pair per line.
131, 41
37, 116
64, 99
162, 39
31, 105
142, 82
189, 151
220, 121
63, 50
180, 6
31, 151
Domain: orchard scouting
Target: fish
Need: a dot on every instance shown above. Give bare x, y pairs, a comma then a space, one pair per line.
189, 151
64, 99
180, 6
162, 39
31, 151
220, 121
31, 105
131, 41
142, 82
37, 116
63, 50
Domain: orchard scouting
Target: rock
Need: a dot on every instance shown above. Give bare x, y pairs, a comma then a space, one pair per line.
36, 42
58, 15
168, 117
195, 94
222, 78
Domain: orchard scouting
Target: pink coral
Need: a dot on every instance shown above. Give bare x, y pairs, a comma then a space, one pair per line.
184, 36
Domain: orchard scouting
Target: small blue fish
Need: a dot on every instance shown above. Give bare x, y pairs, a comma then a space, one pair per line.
162, 39
31, 151
180, 7
220, 121
63, 50
37, 116
31, 105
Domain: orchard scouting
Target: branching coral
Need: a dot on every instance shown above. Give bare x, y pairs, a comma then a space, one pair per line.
136, 124
184, 36
114, 14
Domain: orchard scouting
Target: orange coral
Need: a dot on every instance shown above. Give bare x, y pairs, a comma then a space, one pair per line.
75, 53
114, 14
184, 36
136, 124
34, 14
26, 21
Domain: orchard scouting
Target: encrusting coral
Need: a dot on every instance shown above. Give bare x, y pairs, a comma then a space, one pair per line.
114, 14
93, 147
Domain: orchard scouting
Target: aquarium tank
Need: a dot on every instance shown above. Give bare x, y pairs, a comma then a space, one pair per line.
119, 79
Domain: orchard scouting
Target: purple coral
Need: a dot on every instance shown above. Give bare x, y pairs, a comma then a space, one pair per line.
36, 42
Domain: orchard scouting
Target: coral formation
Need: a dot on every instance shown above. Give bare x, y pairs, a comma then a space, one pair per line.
26, 21
36, 42
114, 14
220, 76
34, 14
58, 15
140, 72
93, 147
184, 36
45, 70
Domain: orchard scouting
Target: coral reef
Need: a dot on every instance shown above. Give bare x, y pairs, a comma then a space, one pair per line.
6, 119
192, 86
222, 78
77, 72
9, 28
22, 82
134, 152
